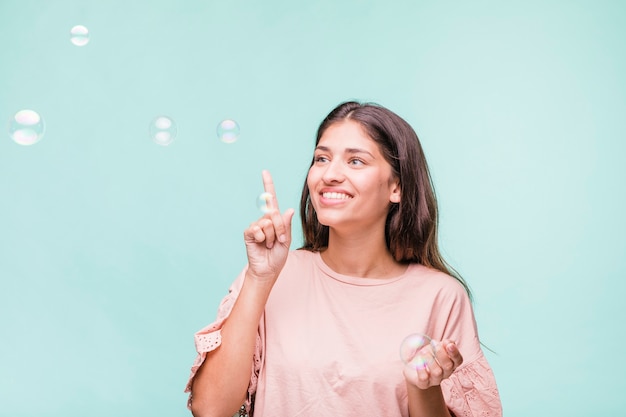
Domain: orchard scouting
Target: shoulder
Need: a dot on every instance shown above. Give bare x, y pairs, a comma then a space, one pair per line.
437, 283
299, 262
295, 276
301, 256
451, 314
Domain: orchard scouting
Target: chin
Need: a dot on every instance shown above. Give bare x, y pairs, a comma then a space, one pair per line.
330, 221
324, 222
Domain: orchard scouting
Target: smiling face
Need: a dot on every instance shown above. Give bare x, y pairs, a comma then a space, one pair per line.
350, 182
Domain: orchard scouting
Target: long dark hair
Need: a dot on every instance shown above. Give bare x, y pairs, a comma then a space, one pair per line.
411, 226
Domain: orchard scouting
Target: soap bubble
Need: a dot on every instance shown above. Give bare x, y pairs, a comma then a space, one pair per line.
79, 35
228, 131
163, 130
26, 127
264, 202
417, 351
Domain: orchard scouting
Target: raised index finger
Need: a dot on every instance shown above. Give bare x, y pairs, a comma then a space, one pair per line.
268, 186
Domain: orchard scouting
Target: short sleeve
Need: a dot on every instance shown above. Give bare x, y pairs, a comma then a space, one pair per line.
209, 338
471, 390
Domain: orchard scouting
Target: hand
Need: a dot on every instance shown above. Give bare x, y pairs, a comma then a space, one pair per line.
445, 359
267, 239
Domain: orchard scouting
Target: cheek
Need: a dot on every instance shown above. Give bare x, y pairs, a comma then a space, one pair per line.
311, 178
310, 182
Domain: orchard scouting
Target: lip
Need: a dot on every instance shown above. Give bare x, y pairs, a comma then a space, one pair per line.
334, 196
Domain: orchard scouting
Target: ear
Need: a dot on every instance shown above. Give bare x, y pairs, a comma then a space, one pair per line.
396, 192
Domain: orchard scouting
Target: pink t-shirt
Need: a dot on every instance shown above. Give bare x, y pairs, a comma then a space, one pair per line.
328, 344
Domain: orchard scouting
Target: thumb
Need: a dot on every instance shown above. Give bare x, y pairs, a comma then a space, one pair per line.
453, 350
287, 217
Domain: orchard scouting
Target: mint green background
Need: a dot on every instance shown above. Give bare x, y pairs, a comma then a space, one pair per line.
114, 250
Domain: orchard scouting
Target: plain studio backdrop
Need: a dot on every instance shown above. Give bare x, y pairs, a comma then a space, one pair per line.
114, 249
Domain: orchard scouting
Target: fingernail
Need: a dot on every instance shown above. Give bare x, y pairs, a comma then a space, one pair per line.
282, 238
450, 347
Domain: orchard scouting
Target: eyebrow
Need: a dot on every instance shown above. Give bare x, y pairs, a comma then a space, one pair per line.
347, 150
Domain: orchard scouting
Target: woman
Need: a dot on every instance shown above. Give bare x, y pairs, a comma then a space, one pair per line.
316, 331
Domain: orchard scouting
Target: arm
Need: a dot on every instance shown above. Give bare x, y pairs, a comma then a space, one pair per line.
423, 384
427, 402
469, 388
220, 385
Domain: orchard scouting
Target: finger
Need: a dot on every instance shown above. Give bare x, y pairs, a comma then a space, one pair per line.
268, 186
423, 377
278, 223
257, 234
282, 224
436, 371
287, 218
453, 352
443, 359
267, 226
254, 233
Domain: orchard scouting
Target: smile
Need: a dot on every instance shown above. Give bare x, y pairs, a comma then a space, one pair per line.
336, 196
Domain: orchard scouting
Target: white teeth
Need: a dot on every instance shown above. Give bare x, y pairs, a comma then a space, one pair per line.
338, 196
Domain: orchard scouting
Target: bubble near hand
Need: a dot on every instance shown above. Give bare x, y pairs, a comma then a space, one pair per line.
163, 130
26, 127
264, 202
417, 351
228, 131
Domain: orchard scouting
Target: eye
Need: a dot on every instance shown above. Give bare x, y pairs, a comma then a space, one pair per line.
356, 162
320, 159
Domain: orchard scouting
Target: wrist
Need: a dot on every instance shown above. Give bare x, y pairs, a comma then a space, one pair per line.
427, 402
260, 281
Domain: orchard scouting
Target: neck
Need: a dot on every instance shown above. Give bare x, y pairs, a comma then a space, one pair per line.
361, 255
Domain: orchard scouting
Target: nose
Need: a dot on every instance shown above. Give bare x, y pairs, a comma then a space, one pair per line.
333, 172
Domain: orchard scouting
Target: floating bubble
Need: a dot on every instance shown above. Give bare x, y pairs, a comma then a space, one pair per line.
264, 202
417, 351
163, 130
26, 127
79, 35
228, 131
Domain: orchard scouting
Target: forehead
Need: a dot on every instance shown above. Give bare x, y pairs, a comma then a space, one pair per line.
347, 134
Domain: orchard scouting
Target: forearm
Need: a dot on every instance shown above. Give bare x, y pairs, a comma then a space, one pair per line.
220, 386
427, 402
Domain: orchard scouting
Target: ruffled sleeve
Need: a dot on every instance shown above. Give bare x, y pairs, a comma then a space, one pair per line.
209, 338
471, 390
